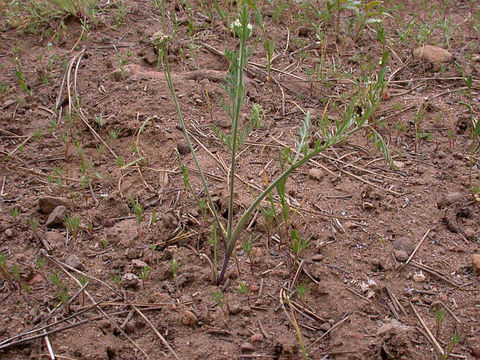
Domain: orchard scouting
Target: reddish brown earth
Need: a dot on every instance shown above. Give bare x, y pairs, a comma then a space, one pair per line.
364, 218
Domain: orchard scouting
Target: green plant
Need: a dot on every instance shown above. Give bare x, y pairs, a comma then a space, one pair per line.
330, 134
104, 243
450, 345
175, 266
475, 132
4, 271
20, 76
439, 317
145, 273
221, 300
368, 13
73, 225
247, 246
116, 278
123, 60
299, 245
336, 7
15, 211
138, 211
84, 280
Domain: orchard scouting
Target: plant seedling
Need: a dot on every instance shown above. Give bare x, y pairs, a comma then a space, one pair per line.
439, 317
144, 274
15, 211
116, 278
4, 271
299, 245
175, 265
212, 239
221, 300
73, 225
137, 210
247, 246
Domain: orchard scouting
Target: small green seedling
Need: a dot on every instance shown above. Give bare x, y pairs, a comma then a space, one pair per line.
144, 274
247, 246
73, 226
299, 245
15, 211
175, 265
138, 211
221, 300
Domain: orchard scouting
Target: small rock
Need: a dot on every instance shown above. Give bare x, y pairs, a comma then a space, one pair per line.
476, 263
315, 173
129, 281
130, 327
449, 199
74, 261
258, 337
254, 288
246, 310
418, 277
36, 279
139, 264
432, 55
317, 257
55, 239
8, 233
183, 148
470, 233
234, 309
401, 255
325, 327
247, 347
56, 217
189, 318
105, 325
399, 164
48, 203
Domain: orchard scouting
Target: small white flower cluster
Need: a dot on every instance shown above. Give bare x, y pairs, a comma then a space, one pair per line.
236, 28
160, 40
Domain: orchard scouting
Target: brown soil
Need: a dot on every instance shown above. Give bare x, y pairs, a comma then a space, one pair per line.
364, 218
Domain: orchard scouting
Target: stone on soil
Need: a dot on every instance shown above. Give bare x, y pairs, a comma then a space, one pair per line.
189, 318
48, 203
401, 255
129, 281
476, 263
256, 338
247, 347
74, 261
56, 217
315, 173
55, 239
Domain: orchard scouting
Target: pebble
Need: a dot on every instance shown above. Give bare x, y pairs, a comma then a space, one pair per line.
401, 255
234, 309
9, 233
449, 199
36, 279
55, 239
183, 148
189, 318
130, 327
56, 217
470, 233
74, 261
139, 263
399, 164
247, 347
476, 263
48, 203
258, 337
315, 173
432, 54
129, 281
325, 327
317, 257
418, 277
